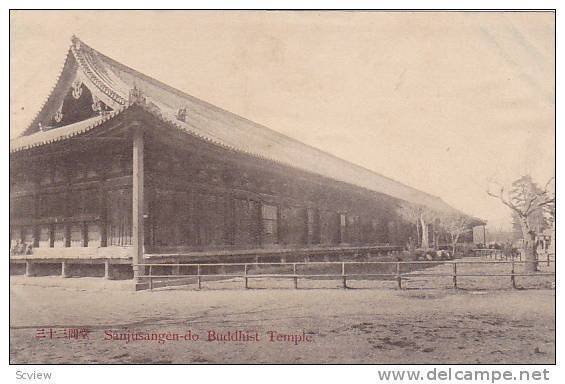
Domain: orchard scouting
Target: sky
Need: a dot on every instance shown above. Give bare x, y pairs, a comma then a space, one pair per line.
446, 102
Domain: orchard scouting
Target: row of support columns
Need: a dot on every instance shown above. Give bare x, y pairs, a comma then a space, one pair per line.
137, 210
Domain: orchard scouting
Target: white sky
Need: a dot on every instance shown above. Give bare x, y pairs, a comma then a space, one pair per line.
440, 101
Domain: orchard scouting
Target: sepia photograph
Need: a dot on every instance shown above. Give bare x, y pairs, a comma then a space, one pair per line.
282, 187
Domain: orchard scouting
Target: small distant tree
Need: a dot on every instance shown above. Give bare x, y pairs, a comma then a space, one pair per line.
526, 200
421, 216
454, 226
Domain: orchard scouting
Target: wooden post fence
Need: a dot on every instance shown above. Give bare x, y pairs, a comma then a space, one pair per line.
512, 276
245, 276
398, 275
455, 275
199, 278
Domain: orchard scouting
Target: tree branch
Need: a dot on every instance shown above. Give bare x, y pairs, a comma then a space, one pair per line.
500, 196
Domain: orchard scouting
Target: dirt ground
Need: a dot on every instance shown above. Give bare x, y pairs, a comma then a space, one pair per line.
331, 325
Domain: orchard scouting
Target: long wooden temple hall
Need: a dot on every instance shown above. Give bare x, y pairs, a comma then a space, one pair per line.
118, 168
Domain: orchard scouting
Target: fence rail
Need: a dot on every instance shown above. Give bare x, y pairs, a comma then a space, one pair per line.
245, 271
499, 254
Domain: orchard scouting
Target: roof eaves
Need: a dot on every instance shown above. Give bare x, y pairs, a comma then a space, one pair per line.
63, 135
184, 129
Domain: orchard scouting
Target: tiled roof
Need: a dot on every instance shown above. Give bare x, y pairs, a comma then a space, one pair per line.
113, 81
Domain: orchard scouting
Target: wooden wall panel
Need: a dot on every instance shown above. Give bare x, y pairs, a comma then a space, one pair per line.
53, 204
246, 222
269, 215
22, 207
215, 220
295, 226
183, 218
165, 217
329, 227
119, 216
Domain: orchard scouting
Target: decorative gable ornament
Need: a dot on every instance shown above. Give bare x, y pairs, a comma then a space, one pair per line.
77, 89
76, 42
58, 115
136, 96
181, 114
96, 105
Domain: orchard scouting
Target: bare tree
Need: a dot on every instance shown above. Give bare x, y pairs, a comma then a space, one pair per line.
525, 199
455, 225
549, 212
421, 216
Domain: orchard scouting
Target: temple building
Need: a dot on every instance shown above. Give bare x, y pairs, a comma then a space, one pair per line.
118, 167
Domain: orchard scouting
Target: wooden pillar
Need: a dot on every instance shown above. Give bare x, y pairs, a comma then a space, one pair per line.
278, 237
85, 234
191, 219
149, 191
229, 226
36, 202
149, 223
65, 269
317, 228
51, 235
29, 269
137, 203
107, 270
259, 224
68, 208
307, 229
199, 223
342, 227
102, 204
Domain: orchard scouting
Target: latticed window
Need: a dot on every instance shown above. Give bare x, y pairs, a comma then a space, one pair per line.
93, 231
270, 227
246, 222
29, 238
45, 236
76, 235
59, 236
313, 220
119, 207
